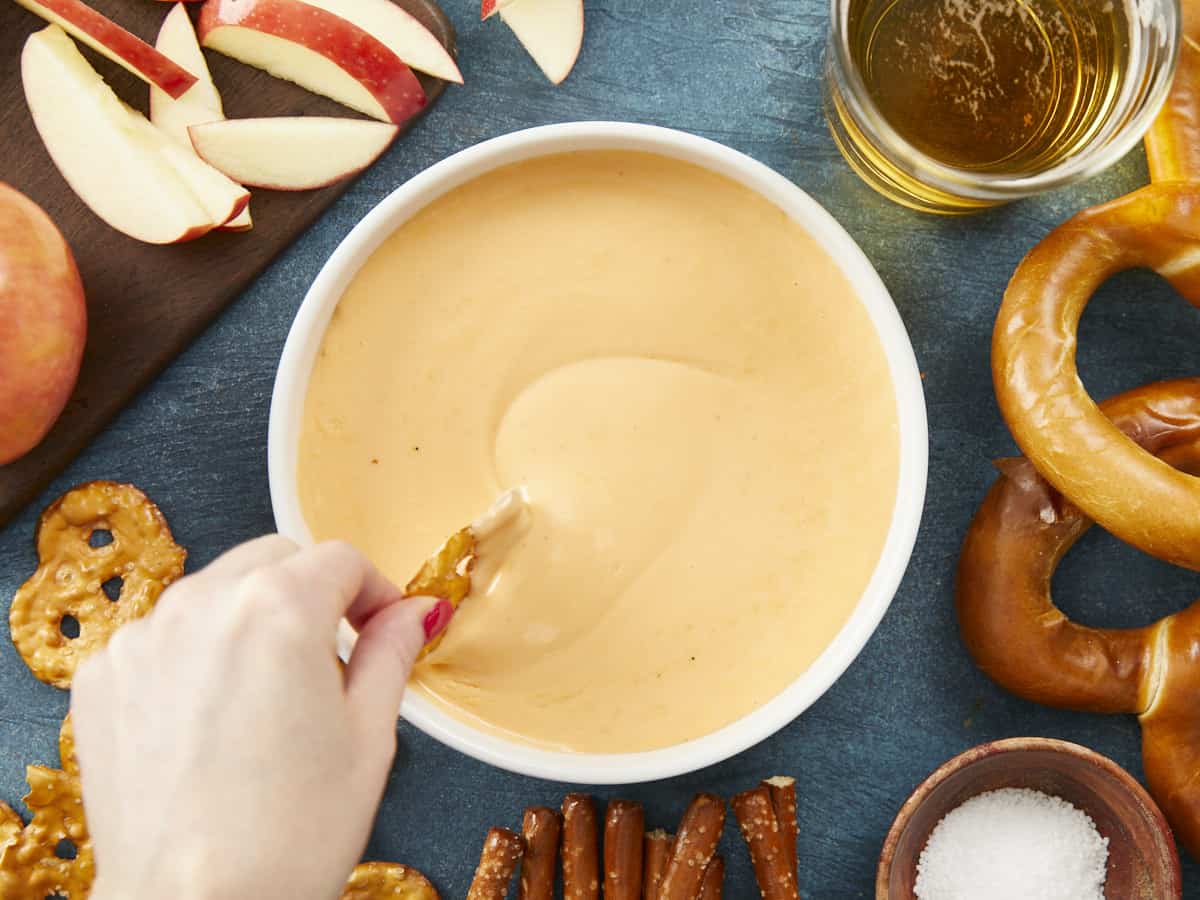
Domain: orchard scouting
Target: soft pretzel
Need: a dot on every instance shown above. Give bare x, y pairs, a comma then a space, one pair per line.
1057, 425
1025, 643
1173, 142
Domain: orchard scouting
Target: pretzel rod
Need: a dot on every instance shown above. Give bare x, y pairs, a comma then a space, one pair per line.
774, 867
783, 801
497, 862
580, 854
694, 847
624, 824
1173, 141
656, 853
541, 828
713, 885
1025, 643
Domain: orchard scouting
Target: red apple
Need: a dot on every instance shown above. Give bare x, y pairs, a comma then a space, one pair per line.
43, 324
108, 38
317, 50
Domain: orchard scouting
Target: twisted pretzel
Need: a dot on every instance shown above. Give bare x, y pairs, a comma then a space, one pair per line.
1026, 644
1056, 424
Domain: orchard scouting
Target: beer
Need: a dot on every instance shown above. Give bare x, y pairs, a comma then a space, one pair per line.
1002, 88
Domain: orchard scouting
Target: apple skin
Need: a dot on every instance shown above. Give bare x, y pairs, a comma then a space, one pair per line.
43, 324
390, 82
106, 36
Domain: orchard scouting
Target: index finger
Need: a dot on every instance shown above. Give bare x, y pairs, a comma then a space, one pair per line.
339, 581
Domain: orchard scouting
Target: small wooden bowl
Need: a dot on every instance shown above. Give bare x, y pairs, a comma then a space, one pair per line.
1143, 863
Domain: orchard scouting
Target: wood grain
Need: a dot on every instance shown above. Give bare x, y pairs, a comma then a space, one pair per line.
146, 303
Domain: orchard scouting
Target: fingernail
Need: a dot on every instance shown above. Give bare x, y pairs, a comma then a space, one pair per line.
437, 619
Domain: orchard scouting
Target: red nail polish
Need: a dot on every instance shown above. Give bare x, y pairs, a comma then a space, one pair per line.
437, 619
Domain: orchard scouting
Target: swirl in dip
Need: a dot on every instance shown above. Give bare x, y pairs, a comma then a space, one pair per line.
695, 401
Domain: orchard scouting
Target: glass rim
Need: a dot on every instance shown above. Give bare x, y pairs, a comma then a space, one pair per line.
982, 185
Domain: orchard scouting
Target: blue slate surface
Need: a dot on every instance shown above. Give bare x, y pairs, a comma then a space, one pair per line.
747, 73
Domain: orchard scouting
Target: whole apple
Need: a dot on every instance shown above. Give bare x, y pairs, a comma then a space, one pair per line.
43, 323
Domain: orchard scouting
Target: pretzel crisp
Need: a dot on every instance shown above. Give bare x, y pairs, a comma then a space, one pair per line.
1057, 425
541, 828
387, 881
771, 847
502, 850
31, 867
624, 827
10, 826
71, 576
580, 850
445, 575
66, 747
695, 846
656, 853
1025, 643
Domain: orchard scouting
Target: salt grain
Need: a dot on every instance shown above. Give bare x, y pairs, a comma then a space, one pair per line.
1013, 843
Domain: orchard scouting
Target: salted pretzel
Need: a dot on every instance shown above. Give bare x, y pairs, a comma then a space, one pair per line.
34, 865
1058, 427
1025, 643
72, 575
387, 881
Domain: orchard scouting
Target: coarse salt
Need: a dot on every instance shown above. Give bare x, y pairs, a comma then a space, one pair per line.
1013, 844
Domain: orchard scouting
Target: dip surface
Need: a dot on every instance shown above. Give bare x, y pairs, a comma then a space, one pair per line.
696, 402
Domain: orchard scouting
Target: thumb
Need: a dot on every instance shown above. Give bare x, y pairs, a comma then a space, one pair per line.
387, 648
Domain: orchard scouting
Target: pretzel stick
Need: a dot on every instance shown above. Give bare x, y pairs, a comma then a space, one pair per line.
580, 854
624, 824
713, 885
540, 828
497, 862
1173, 141
656, 853
783, 801
694, 847
774, 869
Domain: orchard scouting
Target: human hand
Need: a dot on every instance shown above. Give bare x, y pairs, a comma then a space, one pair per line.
224, 753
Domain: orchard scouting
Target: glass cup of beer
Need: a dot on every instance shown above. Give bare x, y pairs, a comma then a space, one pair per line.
950, 106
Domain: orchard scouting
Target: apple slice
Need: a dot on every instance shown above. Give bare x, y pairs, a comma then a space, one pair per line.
489, 8
317, 50
291, 153
550, 30
411, 41
108, 38
201, 102
128, 172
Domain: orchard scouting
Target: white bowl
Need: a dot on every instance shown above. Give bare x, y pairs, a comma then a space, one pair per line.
304, 340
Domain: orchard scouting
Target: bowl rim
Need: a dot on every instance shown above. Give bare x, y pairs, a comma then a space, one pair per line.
991, 749
308, 329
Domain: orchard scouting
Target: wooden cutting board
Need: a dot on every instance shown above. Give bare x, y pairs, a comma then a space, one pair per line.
146, 303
